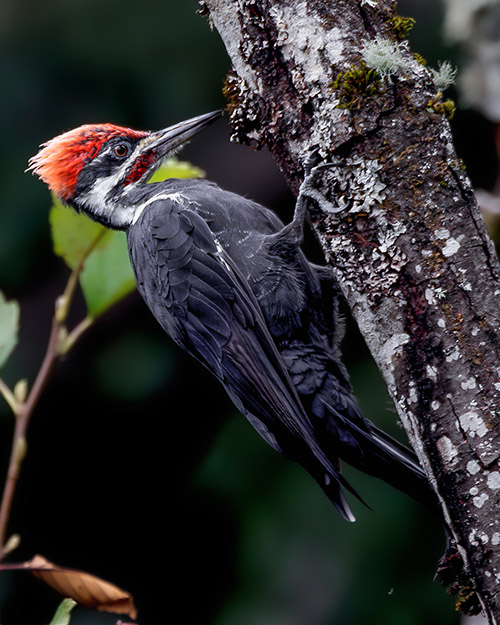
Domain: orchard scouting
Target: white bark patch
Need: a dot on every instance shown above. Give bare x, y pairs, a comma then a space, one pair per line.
388, 236
442, 233
448, 451
452, 246
433, 295
429, 296
472, 538
472, 424
493, 480
480, 500
393, 346
469, 384
298, 36
455, 355
432, 374
473, 467
227, 19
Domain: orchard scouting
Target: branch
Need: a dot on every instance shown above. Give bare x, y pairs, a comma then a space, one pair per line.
23, 415
399, 225
60, 342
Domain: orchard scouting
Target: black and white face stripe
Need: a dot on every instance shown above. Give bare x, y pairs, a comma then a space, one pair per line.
124, 162
100, 188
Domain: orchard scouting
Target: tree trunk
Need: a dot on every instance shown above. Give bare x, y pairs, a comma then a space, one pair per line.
399, 225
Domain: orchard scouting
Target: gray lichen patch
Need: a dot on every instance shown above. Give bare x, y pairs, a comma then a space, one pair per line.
243, 111
300, 43
361, 233
357, 184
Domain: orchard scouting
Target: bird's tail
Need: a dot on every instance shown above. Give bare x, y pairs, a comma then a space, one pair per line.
388, 459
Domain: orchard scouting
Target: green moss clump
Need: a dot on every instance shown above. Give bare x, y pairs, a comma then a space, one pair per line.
356, 84
446, 107
402, 26
420, 59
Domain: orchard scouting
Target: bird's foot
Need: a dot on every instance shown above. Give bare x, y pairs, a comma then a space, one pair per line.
308, 191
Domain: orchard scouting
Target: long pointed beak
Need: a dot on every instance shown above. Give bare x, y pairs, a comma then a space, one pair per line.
172, 138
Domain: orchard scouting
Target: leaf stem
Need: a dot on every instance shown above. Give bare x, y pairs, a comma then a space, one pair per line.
63, 302
68, 342
9, 397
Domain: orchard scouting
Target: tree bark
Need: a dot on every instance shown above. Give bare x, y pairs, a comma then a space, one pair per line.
400, 227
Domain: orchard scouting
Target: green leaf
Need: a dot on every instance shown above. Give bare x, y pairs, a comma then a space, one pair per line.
63, 612
172, 168
73, 234
9, 327
107, 275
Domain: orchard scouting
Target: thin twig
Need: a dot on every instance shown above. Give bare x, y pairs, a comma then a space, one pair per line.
22, 421
59, 342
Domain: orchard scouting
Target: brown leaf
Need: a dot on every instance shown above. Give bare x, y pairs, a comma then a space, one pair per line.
84, 588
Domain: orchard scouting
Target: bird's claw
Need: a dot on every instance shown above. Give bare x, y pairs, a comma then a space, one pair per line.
313, 159
294, 231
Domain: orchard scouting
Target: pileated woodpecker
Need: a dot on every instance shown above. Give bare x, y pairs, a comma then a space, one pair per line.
228, 282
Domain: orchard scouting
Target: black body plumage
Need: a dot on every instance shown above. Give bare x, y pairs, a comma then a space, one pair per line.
229, 283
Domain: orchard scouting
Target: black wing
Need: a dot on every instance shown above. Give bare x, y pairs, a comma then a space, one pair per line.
198, 295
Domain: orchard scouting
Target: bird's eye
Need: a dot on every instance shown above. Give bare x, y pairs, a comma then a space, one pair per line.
121, 150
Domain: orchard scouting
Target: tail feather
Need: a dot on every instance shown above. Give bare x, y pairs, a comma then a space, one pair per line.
388, 459
333, 490
334, 485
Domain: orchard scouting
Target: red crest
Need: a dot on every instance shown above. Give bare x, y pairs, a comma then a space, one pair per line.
61, 159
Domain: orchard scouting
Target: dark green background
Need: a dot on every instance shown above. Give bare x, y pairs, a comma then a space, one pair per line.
138, 468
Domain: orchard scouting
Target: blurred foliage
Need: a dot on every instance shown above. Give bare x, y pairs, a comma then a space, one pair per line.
63, 612
133, 366
9, 326
134, 445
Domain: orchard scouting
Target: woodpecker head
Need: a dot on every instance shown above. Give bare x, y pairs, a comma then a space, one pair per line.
94, 168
